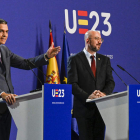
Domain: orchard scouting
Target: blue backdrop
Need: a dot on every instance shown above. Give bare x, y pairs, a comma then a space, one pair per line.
28, 20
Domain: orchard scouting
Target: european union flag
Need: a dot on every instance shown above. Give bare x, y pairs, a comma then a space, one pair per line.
65, 56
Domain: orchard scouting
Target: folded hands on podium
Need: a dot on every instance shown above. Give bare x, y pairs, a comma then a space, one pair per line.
96, 94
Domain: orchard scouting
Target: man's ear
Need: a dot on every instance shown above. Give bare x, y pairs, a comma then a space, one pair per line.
87, 40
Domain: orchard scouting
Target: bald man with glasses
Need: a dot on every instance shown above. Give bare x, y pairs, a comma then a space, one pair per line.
91, 77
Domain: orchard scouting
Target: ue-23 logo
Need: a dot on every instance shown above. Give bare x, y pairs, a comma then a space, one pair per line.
138, 92
82, 21
58, 93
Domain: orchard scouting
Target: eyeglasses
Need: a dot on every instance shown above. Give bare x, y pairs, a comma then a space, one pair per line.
98, 39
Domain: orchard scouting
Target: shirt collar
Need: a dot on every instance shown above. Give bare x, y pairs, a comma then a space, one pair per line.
88, 54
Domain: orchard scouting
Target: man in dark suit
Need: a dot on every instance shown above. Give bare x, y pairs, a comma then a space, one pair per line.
90, 74
7, 60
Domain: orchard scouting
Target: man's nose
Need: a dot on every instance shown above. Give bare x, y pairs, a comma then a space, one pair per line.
100, 41
4, 34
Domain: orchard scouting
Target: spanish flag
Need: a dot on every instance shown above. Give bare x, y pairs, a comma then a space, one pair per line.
52, 68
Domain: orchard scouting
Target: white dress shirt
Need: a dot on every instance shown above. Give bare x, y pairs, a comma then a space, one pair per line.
88, 56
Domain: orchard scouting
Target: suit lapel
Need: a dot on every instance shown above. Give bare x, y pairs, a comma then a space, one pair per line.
98, 64
3, 56
86, 63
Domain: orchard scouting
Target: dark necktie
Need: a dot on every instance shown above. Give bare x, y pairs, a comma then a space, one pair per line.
2, 67
93, 66
0, 57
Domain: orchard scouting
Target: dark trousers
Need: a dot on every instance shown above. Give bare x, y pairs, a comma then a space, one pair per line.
91, 128
5, 125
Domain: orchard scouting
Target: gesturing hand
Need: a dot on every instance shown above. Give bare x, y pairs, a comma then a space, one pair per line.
52, 51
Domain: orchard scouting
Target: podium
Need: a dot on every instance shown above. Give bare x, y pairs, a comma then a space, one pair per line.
134, 112
114, 111
46, 114
43, 115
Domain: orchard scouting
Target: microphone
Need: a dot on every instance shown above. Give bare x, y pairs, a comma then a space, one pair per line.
27, 61
37, 68
128, 73
119, 76
121, 67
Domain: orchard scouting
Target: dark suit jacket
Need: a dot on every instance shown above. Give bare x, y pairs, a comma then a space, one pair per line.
84, 83
10, 59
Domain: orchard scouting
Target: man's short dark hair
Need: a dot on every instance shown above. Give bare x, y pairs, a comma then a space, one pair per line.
2, 21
